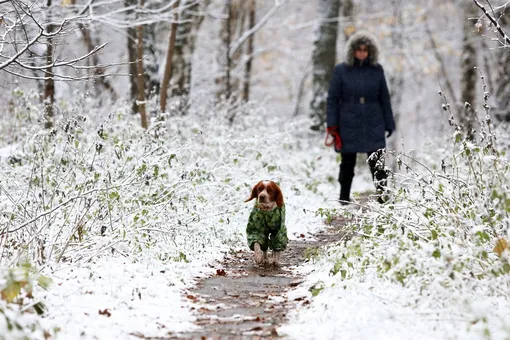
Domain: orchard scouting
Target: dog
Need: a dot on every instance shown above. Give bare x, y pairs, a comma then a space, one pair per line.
266, 225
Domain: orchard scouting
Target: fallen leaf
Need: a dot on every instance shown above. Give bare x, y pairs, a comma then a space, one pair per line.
500, 247
221, 272
105, 312
192, 297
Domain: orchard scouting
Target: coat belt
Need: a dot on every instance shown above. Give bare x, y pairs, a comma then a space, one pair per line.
358, 100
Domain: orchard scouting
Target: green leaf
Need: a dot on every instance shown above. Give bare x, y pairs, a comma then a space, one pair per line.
44, 281
436, 253
40, 308
141, 170
114, 195
172, 157
484, 237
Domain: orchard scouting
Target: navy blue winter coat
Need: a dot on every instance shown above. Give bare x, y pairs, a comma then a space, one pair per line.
359, 102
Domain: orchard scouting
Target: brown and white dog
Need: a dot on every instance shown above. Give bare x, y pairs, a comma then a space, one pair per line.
266, 225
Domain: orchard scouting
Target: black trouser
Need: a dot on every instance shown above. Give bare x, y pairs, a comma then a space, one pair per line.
376, 164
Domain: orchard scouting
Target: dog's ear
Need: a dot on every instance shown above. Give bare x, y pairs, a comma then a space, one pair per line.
253, 193
279, 196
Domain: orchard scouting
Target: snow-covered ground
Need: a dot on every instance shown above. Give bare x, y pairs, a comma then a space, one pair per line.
133, 279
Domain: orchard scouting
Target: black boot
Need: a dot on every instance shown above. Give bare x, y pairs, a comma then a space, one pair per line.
345, 177
345, 192
379, 174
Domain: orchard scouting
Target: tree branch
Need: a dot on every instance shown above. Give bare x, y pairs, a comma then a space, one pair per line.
257, 27
494, 22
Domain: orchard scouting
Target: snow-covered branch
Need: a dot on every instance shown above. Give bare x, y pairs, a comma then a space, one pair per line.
277, 5
494, 22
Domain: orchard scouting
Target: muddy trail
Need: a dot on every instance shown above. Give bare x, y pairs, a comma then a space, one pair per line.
245, 301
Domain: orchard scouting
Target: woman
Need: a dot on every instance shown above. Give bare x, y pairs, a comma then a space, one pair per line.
359, 112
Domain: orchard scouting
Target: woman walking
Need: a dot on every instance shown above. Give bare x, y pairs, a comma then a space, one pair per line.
359, 112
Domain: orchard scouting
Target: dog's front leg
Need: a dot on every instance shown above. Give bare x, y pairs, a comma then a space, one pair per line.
265, 260
259, 254
275, 258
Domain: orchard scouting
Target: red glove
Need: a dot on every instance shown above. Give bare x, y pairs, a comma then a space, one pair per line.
333, 132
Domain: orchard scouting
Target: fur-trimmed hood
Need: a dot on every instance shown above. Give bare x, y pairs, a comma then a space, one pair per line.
362, 38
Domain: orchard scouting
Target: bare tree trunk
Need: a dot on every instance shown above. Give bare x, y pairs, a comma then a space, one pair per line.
396, 78
169, 56
249, 51
185, 46
301, 89
467, 114
132, 57
448, 83
228, 41
347, 8
49, 83
231, 29
502, 74
323, 59
98, 71
151, 63
140, 75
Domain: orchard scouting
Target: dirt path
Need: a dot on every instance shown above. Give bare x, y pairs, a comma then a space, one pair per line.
244, 301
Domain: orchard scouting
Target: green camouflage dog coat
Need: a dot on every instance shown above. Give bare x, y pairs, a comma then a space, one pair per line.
267, 227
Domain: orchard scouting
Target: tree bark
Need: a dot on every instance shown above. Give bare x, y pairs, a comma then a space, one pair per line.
249, 50
185, 46
228, 41
448, 83
467, 114
323, 59
152, 82
502, 74
132, 57
140, 75
98, 71
49, 83
231, 29
396, 77
347, 8
169, 55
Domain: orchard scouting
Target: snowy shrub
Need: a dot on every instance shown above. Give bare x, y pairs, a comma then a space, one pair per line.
19, 310
443, 239
98, 182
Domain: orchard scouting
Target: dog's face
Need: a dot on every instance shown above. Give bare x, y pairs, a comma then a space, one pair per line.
268, 195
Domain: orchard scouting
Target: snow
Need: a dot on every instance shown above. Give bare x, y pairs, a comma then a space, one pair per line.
111, 290
372, 308
142, 297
